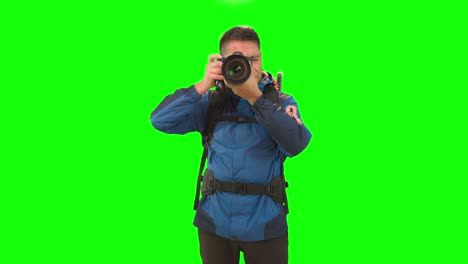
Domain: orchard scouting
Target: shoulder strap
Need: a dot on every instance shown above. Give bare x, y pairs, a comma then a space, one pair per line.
213, 113
215, 100
285, 185
200, 176
276, 97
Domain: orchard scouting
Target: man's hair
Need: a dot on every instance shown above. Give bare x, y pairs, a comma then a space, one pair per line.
242, 33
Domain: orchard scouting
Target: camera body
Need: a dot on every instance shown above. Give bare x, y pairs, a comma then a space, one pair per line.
236, 69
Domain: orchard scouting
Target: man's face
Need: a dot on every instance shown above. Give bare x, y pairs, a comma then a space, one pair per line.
249, 49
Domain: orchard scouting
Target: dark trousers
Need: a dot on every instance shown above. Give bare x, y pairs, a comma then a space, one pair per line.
219, 250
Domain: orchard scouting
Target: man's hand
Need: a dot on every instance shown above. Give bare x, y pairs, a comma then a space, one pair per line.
212, 73
248, 90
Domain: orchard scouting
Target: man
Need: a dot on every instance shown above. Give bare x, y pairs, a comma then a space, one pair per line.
249, 154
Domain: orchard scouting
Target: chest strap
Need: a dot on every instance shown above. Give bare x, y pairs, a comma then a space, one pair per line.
275, 189
237, 119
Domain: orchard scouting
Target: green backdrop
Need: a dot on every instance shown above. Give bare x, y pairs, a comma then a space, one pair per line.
86, 179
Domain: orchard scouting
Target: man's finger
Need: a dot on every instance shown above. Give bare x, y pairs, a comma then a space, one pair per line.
216, 64
214, 56
216, 70
215, 76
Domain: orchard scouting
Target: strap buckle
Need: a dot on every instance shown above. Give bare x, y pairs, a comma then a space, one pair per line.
240, 188
211, 184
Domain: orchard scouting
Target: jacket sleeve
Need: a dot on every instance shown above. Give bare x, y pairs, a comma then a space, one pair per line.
284, 124
181, 112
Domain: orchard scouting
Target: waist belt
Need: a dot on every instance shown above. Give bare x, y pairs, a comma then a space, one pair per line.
275, 189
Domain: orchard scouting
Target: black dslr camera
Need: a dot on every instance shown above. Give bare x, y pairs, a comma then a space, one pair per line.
236, 69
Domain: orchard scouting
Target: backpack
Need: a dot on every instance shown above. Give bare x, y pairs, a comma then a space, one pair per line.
276, 189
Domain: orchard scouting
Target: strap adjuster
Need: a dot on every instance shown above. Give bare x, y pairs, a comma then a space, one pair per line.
271, 189
241, 119
212, 184
240, 188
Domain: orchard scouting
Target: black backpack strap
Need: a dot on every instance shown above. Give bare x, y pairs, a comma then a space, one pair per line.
276, 97
215, 101
237, 119
200, 176
285, 185
273, 189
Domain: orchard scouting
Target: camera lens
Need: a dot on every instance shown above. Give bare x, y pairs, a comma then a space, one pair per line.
236, 69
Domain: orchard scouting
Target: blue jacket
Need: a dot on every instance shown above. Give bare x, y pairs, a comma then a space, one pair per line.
239, 152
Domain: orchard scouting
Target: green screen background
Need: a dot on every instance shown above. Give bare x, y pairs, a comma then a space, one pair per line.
86, 179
